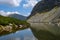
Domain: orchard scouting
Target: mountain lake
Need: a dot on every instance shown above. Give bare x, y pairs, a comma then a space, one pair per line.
25, 34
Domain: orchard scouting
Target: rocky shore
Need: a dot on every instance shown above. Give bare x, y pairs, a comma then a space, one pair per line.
11, 27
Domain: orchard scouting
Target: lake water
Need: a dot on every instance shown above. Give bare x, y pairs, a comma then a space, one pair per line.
19, 35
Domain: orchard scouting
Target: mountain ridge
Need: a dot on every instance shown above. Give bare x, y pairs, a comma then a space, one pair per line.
17, 16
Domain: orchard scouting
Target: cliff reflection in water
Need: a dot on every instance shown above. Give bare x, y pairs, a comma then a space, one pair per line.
46, 31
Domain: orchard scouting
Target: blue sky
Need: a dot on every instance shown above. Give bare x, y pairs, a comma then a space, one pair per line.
22, 7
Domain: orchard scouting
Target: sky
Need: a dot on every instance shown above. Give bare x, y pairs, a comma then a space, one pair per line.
21, 7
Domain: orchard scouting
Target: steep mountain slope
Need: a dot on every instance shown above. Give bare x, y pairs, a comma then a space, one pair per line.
45, 20
44, 6
20, 17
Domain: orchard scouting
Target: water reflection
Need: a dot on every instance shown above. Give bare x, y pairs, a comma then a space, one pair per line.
19, 35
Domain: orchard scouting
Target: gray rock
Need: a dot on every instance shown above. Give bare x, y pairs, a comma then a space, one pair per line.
44, 24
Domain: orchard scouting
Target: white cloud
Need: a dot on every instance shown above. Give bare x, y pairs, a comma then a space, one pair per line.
30, 3
26, 14
11, 2
3, 13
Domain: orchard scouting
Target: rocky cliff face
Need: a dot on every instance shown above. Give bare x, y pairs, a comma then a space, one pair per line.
46, 21
46, 24
44, 6
46, 16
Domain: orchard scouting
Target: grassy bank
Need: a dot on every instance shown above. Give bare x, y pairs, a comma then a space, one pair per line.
11, 25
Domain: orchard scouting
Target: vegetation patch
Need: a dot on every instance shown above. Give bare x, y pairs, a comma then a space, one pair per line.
9, 25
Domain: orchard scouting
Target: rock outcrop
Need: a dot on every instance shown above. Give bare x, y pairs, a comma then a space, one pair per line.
45, 20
